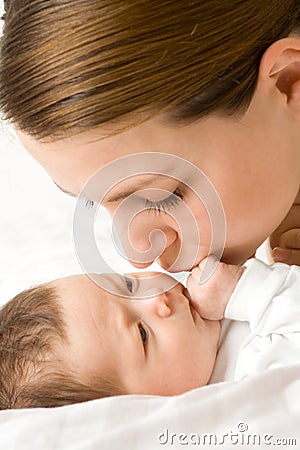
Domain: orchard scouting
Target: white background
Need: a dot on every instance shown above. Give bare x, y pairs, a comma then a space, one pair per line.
35, 222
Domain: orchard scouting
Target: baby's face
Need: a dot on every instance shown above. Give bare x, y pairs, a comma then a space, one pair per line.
158, 345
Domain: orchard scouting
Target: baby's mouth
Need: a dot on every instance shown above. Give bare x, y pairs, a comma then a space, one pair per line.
195, 315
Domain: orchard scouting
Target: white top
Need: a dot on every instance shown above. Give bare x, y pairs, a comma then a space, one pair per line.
265, 322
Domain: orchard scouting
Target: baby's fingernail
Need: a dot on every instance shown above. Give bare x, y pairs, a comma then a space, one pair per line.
281, 254
210, 260
207, 266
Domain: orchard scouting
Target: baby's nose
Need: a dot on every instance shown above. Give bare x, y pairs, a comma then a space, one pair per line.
159, 302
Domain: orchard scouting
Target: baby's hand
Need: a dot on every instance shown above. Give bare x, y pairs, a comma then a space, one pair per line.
210, 299
285, 240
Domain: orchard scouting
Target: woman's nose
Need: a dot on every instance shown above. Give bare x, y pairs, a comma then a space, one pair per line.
149, 240
144, 236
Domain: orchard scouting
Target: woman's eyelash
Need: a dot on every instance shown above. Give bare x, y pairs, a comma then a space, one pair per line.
89, 204
143, 333
166, 204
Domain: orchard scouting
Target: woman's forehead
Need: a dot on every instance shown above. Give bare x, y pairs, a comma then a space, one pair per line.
212, 145
71, 162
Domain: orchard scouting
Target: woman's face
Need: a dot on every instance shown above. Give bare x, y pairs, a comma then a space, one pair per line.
252, 162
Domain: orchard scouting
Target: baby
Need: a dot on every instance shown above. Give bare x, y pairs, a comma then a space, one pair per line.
70, 341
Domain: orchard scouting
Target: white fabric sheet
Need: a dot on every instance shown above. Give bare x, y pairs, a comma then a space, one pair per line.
265, 407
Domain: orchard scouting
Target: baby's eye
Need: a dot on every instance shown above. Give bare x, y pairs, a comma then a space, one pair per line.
143, 333
129, 284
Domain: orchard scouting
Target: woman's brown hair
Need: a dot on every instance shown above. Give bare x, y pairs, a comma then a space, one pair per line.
71, 66
32, 374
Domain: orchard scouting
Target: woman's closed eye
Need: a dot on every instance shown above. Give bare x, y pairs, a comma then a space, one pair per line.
166, 204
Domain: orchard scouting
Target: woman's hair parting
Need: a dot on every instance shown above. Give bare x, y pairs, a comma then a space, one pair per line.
69, 66
32, 374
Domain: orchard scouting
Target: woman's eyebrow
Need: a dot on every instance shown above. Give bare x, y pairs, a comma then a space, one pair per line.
64, 191
121, 195
132, 189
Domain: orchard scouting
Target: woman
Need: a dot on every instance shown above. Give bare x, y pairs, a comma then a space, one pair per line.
86, 83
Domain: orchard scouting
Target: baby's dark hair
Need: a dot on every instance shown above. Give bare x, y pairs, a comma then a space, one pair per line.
32, 374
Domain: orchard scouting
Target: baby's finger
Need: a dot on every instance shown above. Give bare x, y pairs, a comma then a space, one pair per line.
201, 296
207, 267
193, 283
203, 272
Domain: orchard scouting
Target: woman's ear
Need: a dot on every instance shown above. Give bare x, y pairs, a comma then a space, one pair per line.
280, 69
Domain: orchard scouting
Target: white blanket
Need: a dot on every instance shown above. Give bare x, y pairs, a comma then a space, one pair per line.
262, 411
36, 246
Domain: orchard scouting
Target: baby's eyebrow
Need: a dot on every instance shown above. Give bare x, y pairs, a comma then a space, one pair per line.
113, 283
